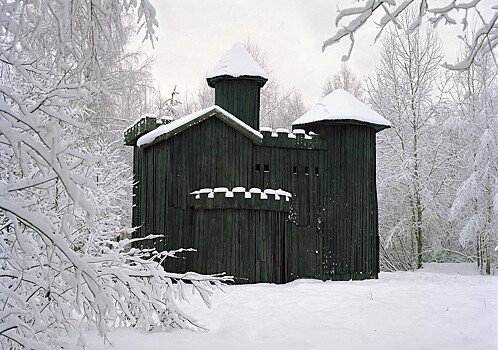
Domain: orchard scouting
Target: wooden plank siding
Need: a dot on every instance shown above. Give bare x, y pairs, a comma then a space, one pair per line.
350, 226
328, 230
240, 97
304, 237
240, 237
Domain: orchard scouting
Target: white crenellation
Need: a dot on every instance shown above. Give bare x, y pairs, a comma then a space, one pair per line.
220, 190
283, 132
165, 119
251, 193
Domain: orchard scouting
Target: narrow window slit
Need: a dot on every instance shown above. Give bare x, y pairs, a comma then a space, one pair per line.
306, 170
267, 168
258, 168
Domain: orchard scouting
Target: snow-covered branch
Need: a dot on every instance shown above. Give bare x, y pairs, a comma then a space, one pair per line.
351, 19
62, 185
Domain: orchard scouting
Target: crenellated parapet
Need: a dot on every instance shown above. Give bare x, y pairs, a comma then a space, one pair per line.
240, 198
297, 138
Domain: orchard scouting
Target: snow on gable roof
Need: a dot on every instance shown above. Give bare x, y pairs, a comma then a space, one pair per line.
341, 106
235, 63
166, 131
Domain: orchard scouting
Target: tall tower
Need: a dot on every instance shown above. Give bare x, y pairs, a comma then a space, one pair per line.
237, 79
350, 224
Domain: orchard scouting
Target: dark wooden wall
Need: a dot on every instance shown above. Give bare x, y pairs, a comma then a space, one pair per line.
294, 165
331, 231
210, 154
240, 97
350, 220
240, 236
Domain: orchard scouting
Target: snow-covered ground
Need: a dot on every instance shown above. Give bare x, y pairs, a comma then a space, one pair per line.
443, 306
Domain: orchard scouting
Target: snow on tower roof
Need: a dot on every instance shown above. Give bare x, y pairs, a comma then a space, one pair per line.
235, 63
340, 106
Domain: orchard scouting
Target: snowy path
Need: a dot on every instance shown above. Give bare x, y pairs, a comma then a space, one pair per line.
444, 306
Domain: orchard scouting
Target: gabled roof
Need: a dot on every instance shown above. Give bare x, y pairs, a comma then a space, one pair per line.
340, 107
166, 131
236, 63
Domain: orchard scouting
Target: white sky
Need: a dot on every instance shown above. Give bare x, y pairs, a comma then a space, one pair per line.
194, 35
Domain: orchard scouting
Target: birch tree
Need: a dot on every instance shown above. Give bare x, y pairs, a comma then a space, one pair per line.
345, 79
412, 157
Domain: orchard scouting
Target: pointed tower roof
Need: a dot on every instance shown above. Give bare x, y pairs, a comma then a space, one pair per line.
237, 63
339, 107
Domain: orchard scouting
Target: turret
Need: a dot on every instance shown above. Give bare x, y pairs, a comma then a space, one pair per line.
237, 79
350, 224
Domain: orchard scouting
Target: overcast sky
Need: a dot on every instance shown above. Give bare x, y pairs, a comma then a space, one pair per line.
194, 35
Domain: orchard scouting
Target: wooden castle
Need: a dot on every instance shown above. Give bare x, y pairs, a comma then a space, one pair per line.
262, 205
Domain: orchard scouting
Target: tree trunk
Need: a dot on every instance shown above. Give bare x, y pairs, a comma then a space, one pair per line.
489, 224
488, 261
478, 247
419, 234
416, 182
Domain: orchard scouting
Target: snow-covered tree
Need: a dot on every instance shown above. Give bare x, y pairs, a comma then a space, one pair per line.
279, 106
61, 266
345, 79
412, 156
475, 209
202, 98
107, 113
350, 19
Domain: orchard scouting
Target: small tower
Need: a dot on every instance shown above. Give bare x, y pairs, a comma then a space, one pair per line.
350, 224
237, 79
